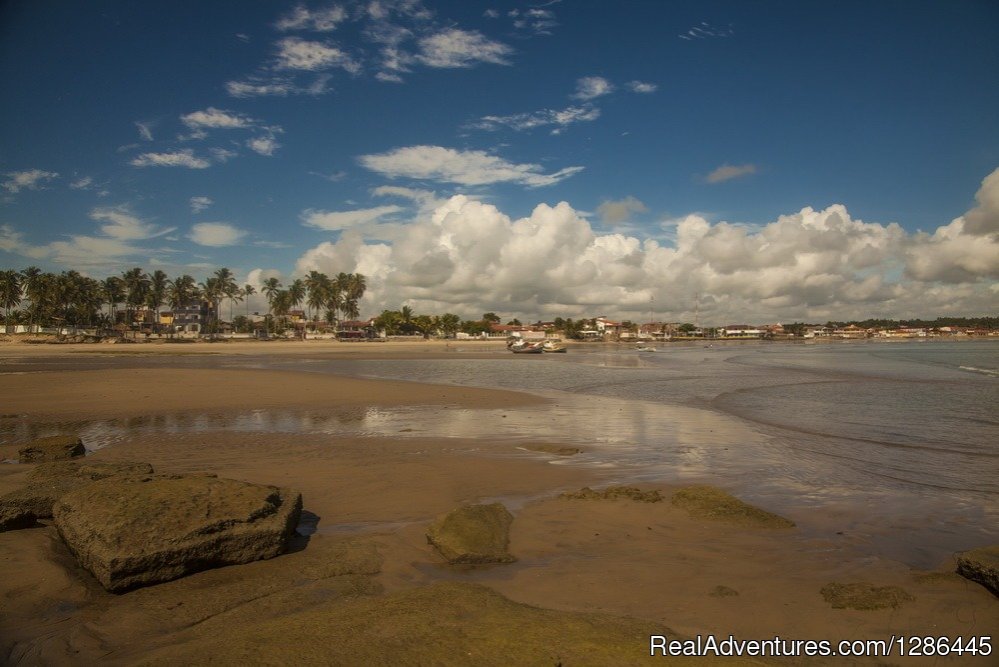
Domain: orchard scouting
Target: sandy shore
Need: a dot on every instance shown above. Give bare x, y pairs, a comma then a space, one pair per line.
367, 585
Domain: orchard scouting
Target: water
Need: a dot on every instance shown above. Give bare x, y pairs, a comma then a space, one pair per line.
898, 442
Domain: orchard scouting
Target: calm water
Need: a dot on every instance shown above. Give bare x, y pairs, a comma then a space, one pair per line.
898, 442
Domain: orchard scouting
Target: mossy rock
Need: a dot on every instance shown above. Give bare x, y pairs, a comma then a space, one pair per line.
443, 624
473, 534
51, 448
981, 566
557, 450
864, 596
615, 493
708, 502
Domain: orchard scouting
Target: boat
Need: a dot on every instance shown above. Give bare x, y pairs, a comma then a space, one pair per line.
523, 347
553, 345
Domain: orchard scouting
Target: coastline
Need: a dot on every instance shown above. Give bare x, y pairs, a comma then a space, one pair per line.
651, 562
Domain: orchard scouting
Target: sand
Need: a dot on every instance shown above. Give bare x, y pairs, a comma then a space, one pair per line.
593, 577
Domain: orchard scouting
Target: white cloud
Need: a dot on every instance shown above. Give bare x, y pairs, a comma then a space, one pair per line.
295, 53
463, 167
222, 155
641, 87
122, 224
466, 256
182, 158
216, 234
199, 204
261, 87
145, 130
591, 87
82, 183
461, 48
613, 212
31, 179
727, 172
302, 18
705, 30
217, 119
560, 118
263, 145
340, 220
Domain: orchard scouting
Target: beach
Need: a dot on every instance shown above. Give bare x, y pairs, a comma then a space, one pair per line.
377, 459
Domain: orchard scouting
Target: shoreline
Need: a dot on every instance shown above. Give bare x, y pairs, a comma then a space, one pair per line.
647, 561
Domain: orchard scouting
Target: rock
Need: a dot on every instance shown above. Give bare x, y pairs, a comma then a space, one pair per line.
49, 481
723, 592
707, 502
52, 448
15, 518
864, 596
613, 493
473, 534
443, 624
557, 450
982, 566
131, 532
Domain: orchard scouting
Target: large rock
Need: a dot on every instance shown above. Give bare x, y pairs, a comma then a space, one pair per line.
708, 502
52, 448
141, 531
473, 534
981, 565
49, 481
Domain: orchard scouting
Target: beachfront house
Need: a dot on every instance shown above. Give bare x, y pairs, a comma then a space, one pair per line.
740, 331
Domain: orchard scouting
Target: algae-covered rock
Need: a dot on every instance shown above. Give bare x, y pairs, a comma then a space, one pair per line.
982, 566
473, 534
50, 481
131, 532
708, 502
864, 596
557, 450
442, 624
51, 448
614, 493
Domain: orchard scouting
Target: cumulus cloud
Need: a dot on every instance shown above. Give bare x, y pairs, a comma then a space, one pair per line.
461, 48
182, 158
466, 256
463, 167
31, 179
265, 145
216, 234
613, 212
559, 118
340, 220
727, 172
641, 87
591, 87
218, 119
320, 20
121, 223
82, 183
199, 204
984, 218
295, 53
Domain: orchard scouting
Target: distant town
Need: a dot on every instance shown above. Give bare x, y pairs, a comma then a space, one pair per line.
131, 306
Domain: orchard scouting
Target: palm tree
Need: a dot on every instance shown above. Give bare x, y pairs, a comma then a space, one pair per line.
406, 314
158, 284
271, 288
318, 286
113, 292
137, 288
296, 294
211, 293
10, 292
248, 291
31, 275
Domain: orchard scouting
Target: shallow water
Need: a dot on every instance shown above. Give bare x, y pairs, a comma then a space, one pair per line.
898, 442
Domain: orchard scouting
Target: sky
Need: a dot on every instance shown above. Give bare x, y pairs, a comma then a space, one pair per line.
750, 162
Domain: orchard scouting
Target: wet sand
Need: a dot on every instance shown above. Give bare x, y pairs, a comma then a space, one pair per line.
641, 566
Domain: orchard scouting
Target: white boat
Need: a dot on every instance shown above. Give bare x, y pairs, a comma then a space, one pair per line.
553, 345
524, 347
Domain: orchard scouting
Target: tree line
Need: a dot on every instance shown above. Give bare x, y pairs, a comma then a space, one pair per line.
33, 297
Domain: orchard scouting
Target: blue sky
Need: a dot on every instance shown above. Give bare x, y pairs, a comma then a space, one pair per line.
773, 160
